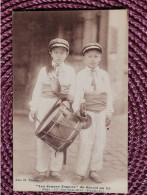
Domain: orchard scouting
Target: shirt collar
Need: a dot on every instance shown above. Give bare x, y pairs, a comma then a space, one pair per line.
95, 69
54, 65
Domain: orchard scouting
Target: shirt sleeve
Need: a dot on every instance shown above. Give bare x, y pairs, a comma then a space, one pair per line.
73, 83
67, 78
36, 92
110, 109
79, 93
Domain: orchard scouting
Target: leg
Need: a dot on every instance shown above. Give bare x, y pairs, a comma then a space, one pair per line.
57, 161
42, 160
43, 155
99, 143
43, 149
56, 165
86, 144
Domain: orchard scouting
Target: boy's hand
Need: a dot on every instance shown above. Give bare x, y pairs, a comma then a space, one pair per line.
80, 117
32, 116
65, 89
77, 113
66, 97
108, 120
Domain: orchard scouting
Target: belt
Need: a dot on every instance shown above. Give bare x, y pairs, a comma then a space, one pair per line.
47, 92
95, 102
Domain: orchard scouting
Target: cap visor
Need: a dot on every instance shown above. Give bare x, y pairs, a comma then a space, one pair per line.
92, 47
59, 45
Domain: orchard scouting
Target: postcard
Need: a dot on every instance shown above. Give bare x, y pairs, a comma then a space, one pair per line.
70, 101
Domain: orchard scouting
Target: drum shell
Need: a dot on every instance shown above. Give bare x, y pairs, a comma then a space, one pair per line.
60, 129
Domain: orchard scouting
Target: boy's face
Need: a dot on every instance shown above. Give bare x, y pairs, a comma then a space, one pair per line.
59, 54
92, 58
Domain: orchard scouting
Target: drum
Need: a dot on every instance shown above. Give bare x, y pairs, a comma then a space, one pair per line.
60, 127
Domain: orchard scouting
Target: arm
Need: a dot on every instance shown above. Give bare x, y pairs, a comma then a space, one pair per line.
110, 109
68, 86
35, 97
79, 93
72, 87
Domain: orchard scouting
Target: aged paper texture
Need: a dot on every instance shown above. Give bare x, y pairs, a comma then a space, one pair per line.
32, 32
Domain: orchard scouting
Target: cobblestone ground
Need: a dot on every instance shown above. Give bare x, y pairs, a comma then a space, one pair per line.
114, 172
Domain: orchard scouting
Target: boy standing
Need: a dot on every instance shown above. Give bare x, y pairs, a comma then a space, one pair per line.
54, 79
94, 87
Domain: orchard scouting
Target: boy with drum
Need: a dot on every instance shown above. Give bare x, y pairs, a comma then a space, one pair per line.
93, 86
56, 79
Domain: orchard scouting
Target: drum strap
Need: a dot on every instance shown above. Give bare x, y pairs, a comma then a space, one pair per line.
53, 80
49, 70
54, 107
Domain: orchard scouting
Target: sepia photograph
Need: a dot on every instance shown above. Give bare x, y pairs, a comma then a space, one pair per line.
70, 101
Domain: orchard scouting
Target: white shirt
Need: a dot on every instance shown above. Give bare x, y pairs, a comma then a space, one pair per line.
83, 85
66, 76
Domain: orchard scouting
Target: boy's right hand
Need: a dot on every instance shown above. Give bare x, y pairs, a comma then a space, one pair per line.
108, 120
32, 115
77, 113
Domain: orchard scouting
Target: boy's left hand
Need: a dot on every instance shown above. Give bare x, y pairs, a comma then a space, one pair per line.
108, 120
65, 89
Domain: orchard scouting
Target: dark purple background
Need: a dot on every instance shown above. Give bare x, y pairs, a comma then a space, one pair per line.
137, 84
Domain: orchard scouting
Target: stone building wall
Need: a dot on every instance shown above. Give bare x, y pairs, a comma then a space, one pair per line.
118, 58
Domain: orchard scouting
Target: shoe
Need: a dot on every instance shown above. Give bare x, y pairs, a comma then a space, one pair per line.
40, 176
95, 177
55, 175
77, 179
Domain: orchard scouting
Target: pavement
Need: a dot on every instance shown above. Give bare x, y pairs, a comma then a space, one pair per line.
114, 172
